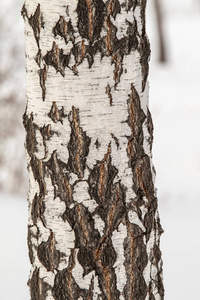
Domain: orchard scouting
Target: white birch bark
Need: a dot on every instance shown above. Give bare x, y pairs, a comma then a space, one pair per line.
93, 222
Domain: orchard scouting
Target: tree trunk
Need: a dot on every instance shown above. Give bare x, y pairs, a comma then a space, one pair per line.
161, 37
94, 228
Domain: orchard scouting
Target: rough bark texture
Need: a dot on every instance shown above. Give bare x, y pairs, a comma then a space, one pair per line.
94, 230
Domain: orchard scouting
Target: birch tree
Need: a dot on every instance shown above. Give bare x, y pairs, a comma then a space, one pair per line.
94, 230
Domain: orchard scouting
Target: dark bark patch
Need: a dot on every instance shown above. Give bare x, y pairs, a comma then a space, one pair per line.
64, 29
116, 140
150, 291
90, 18
86, 259
97, 144
136, 114
136, 260
108, 254
37, 209
91, 290
38, 169
101, 179
82, 223
78, 145
132, 33
149, 220
43, 77
129, 4
155, 258
56, 114
132, 4
31, 142
108, 92
110, 40
135, 148
94, 15
48, 255
108, 283
65, 286
150, 128
31, 246
117, 59
144, 187
79, 52
60, 179
46, 132
144, 178
113, 7
36, 22
144, 49
57, 59
38, 57
34, 283
116, 208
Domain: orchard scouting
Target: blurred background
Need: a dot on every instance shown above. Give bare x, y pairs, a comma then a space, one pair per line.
173, 28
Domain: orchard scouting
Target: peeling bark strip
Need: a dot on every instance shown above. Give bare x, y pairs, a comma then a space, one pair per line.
94, 229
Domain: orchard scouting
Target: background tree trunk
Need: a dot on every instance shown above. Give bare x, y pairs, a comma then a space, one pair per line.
93, 228
161, 36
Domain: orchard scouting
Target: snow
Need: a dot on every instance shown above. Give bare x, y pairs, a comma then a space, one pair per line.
14, 263
175, 106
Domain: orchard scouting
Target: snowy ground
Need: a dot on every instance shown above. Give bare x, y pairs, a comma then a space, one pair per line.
175, 106
14, 263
